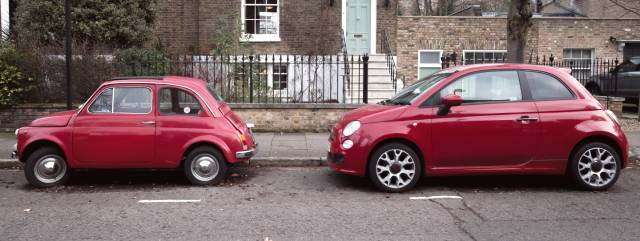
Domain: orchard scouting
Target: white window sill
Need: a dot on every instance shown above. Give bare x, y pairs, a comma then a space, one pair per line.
261, 38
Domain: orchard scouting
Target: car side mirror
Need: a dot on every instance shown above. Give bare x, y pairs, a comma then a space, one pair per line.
448, 102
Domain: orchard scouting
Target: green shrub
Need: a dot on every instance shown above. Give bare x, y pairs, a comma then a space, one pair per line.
13, 84
141, 62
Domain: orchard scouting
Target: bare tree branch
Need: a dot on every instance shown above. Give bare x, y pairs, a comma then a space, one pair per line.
626, 6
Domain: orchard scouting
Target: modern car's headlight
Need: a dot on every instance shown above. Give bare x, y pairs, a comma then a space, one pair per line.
351, 128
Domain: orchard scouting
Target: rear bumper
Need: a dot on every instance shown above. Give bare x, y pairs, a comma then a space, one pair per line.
246, 154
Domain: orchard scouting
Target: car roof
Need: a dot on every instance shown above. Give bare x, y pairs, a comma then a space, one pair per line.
172, 80
476, 67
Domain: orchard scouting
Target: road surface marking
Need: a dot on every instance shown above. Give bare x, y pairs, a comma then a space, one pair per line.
434, 197
170, 201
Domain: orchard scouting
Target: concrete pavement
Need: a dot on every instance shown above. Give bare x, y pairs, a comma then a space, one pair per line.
282, 149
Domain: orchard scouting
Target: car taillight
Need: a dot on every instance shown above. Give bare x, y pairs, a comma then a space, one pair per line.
243, 140
612, 116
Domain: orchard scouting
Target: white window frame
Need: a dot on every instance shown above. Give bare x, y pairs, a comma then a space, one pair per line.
5, 21
421, 65
589, 69
259, 37
464, 52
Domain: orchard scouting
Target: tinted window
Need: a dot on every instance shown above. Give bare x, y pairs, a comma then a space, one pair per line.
546, 87
103, 103
628, 67
486, 87
174, 101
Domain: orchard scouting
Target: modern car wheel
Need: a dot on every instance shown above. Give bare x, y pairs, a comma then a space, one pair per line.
46, 167
595, 166
394, 167
205, 166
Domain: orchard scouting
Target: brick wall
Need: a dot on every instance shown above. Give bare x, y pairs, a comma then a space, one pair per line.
306, 27
11, 119
267, 117
386, 20
547, 36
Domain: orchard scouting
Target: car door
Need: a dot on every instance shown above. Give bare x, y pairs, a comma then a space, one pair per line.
117, 129
494, 126
629, 79
560, 112
180, 119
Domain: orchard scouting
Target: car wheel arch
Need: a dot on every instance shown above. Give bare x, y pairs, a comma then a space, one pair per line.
201, 143
590, 139
37, 144
400, 140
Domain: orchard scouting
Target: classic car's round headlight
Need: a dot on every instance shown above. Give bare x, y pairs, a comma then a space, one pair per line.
17, 131
351, 128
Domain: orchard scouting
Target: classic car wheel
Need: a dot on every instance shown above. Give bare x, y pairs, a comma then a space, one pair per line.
394, 168
46, 167
205, 165
595, 166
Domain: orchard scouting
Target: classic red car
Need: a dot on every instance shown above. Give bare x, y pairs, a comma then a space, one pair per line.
483, 119
138, 122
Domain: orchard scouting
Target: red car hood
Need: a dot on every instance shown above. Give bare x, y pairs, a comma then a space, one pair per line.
373, 113
54, 119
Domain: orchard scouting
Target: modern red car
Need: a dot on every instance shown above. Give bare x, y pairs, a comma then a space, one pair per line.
138, 122
483, 119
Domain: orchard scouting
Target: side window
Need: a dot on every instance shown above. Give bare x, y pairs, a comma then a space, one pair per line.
103, 103
133, 100
545, 87
486, 87
628, 67
174, 101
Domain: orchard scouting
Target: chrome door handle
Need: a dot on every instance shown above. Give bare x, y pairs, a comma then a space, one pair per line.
526, 119
148, 123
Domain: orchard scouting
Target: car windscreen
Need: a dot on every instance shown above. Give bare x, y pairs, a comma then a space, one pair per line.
411, 92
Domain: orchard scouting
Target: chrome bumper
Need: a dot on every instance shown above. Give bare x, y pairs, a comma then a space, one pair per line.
245, 154
14, 154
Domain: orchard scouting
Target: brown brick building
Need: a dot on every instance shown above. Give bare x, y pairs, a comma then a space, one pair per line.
566, 29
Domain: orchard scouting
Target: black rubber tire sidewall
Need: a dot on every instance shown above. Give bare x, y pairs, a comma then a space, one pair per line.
29, 171
573, 166
222, 163
371, 167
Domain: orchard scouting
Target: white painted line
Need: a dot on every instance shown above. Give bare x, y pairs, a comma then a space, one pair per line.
434, 197
170, 201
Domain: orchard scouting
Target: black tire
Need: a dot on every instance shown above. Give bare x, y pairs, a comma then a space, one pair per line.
376, 178
213, 155
59, 171
577, 175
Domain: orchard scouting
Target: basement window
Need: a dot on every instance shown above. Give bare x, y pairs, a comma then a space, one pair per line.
483, 56
260, 20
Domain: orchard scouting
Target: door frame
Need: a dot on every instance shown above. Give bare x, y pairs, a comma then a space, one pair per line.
373, 32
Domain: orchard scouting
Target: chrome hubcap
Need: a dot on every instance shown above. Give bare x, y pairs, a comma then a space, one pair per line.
205, 167
395, 168
597, 167
50, 169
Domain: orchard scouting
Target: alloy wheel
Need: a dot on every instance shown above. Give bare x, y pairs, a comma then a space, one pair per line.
395, 168
597, 167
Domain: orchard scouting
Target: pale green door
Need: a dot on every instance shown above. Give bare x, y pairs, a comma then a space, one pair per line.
358, 26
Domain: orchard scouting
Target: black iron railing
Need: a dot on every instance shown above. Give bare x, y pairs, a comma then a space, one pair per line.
390, 59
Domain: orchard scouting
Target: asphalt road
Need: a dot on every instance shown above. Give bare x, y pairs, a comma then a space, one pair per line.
314, 204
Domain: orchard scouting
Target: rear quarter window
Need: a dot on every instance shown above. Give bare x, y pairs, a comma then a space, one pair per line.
547, 87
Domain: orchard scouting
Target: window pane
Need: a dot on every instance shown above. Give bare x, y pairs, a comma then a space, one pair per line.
174, 101
545, 87
132, 100
103, 103
429, 57
486, 86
